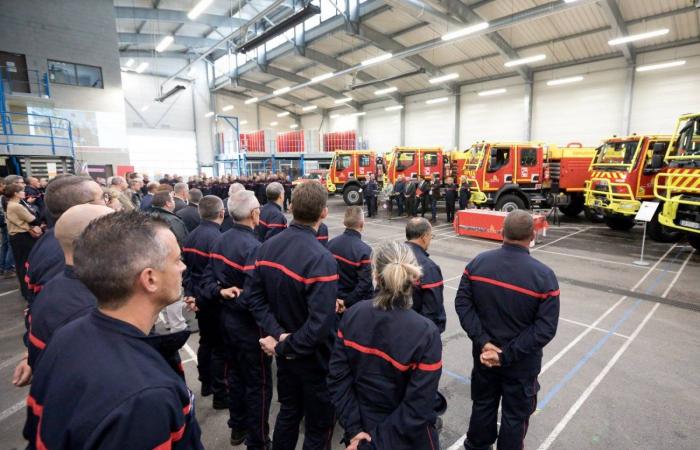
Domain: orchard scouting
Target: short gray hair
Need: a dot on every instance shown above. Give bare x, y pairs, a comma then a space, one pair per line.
181, 187
195, 196
354, 217
518, 226
209, 207
274, 190
417, 227
235, 187
241, 204
117, 181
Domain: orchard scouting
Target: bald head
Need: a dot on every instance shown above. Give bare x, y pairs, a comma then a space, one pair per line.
73, 222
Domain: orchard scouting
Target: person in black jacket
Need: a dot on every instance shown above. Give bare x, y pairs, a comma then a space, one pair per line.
354, 263
163, 206
464, 193
508, 303
424, 197
450, 199
387, 362
292, 295
434, 197
272, 220
399, 193
411, 190
180, 197
103, 382
370, 193
190, 213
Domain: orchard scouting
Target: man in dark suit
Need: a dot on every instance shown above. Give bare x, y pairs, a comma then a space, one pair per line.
180, 195
190, 213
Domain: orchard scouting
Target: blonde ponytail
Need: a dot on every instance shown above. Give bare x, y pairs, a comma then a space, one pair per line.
395, 270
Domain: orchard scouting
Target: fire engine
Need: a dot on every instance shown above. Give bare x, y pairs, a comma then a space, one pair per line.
678, 186
622, 176
349, 169
509, 176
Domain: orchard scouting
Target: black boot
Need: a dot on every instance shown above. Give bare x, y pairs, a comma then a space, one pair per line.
238, 436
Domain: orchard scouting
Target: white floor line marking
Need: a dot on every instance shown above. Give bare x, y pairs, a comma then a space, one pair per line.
583, 334
678, 275
9, 292
588, 258
581, 324
582, 399
190, 352
560, 239
19, 406
12, 361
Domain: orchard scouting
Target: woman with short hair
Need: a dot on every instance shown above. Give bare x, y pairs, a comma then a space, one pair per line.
22, 226
386, 364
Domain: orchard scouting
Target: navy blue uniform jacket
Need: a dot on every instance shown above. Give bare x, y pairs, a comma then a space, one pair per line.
272, 221
45, 262
293, 290
510, 299
370, 189
190, 215
102, 384
196, 253
427, 293
62, 300
354, 259
322, 235
384, 375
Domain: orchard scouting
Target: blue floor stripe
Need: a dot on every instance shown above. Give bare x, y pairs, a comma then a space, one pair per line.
458, 377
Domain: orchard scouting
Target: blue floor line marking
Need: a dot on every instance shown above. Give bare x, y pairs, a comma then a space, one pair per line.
458, 377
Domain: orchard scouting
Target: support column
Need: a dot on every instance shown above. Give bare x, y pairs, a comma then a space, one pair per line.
257, 116
457, 115
529, 94
629, 93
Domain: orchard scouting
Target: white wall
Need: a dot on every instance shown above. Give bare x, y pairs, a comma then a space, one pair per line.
382, 129
154, 152
430, 125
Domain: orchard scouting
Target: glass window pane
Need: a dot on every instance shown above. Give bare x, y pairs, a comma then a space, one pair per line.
89, 76
63, 73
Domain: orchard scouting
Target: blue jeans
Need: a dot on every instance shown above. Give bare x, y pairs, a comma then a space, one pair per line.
433, 208
7, 261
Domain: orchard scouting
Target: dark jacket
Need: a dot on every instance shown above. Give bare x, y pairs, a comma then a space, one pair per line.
293, 290
127, 396
384, 375
179, 204
322, 234
190, 215
272, 221
464, 195
45, 262
451, 193
411, 188
510, 299
354, 259
428, 293
400, 187
62, 300
177, 226
146, 202
370, 189
435, 189
196, 253
424, 187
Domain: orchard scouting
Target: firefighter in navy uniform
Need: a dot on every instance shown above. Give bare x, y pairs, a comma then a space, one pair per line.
450, 199
353, 257
292, 295
211, 358
428, 294
508, 303
322, 234
249, 374
64, 298
272, 220
128, 395
371, 189
386, 363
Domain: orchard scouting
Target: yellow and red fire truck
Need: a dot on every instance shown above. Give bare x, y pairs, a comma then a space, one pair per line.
349, 169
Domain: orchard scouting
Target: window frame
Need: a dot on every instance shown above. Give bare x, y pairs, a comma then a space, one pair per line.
75, 73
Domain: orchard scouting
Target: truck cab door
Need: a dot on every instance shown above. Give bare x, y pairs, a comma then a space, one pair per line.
646, 168
364, 165
343, 167
431, 163
499, 169
530, 161
406, 163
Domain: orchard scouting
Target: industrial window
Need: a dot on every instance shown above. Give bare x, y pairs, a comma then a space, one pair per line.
430, 159
365, 161
528, 157
342, 162
500, 156
75, 74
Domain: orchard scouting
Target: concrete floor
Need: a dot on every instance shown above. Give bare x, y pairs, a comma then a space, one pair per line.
621, 372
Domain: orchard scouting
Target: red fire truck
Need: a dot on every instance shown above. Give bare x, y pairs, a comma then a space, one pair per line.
349, 169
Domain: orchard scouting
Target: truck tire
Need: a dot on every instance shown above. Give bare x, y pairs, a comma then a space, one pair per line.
510, 202
694, 241
661, 233
574, 208
593, 216
352, 196
618, 223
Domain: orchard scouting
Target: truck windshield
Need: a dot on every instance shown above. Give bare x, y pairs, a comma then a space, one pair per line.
474, 156
616, 153
689, 139
405, 160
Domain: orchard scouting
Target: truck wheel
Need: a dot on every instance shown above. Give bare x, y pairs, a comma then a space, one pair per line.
352, 196
661, 233
574, 208
618, 223
510, 202
593, 216
694, 240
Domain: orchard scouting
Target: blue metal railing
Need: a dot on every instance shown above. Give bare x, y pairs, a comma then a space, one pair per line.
36, 130
31, 82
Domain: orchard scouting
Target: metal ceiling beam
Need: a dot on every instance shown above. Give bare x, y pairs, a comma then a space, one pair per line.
150, 54
168, 15
242, 82
243, 97
614, 17
154, 39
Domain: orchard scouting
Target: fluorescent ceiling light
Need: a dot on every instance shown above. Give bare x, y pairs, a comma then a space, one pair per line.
144, 108
141, 67
564, 81
243, 122
335, 116
393, 108
164, 43
465, 31
493, 92
527, 60
377, 59
638, 37
386, 91
665, 65
274, 124
227, 108
358, 114
199, 9
209, 114
251, 100
281, 91
570, 1
309, 108
432, 101
283, 114
130, 62
343, 100
293, 126
320, 78
440, 79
